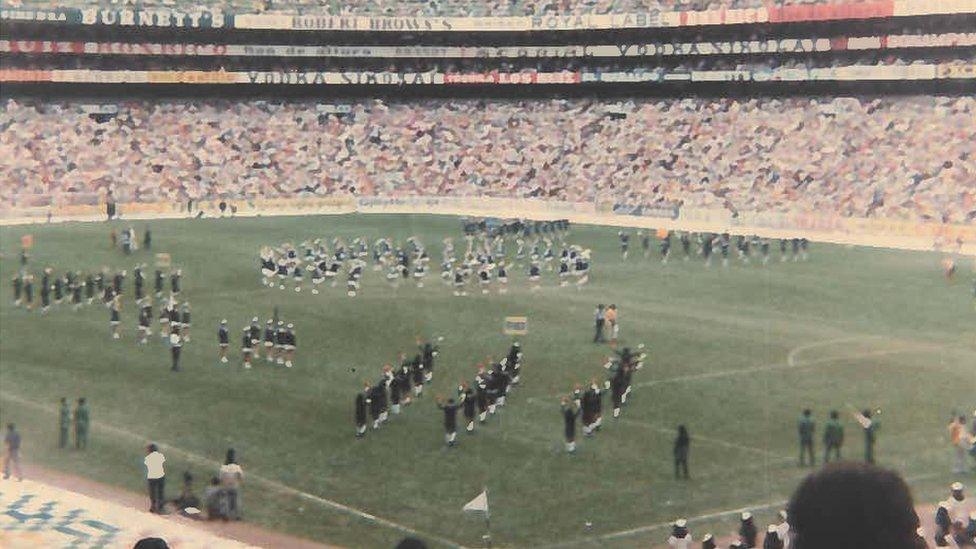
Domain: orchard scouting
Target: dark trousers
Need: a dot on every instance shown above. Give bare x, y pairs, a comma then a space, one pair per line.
681, 468
869, 451
156, 494
806, 450
832, 449
176, 358
598, 334
63, 438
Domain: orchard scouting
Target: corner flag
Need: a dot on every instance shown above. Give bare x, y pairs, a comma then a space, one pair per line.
479, 503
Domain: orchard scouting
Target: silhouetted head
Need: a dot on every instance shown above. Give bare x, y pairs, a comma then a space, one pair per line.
854, 506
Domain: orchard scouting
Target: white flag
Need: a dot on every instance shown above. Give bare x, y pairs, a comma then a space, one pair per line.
479, 503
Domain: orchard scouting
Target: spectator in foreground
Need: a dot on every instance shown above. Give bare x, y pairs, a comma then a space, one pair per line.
11, 455
854, 506
231, 476
411, 543
151, 543
156, 477
680, 536
748, 534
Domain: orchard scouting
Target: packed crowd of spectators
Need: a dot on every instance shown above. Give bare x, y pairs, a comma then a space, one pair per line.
896, 157
450, 8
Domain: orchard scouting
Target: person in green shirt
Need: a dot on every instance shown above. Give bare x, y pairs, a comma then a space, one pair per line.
64, 423
805, 428
833, 437
82, 422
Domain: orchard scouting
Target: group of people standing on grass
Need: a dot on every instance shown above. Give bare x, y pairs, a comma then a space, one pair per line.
606, 321
221, 498
80, 420
710, 245
833, 436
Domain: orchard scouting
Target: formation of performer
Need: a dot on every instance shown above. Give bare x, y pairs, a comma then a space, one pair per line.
484, 266
586, 403
277, 340
396, 387
747, 248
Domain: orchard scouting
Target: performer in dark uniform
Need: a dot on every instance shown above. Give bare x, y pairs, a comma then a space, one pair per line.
29, 291
569, 418
159, 283
427, 353
223, 341
513, 362
46, 290
145, 319
481, 393
175, 347
185, 321
117, 281
58, 290
469, 404
114, 316
247, 348
90, 288
18, 281
402, 375
393, 382
76, 287
450, 409
592, 401
269, 341
174, 282
377, 395
362, 400
418, 376
666, 247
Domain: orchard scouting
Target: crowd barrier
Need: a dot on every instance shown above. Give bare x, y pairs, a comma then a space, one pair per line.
818, 227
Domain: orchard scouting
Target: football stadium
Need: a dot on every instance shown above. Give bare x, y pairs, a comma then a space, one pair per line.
576, 273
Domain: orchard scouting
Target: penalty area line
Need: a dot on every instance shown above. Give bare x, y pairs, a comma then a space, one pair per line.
283, 488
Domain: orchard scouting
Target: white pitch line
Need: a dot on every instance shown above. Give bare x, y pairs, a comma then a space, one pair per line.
717, 441
699, 518
791, 357
190, 456
662, 525
765, 368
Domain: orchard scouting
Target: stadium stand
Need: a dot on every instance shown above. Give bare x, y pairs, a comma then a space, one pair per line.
906, 158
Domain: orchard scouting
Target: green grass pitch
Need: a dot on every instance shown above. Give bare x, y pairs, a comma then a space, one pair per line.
734, 354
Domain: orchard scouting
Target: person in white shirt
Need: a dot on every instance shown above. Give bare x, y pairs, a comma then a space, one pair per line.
231, 477
156, 477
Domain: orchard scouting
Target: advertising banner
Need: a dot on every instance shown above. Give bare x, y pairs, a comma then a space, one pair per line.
847, 73
207, 18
